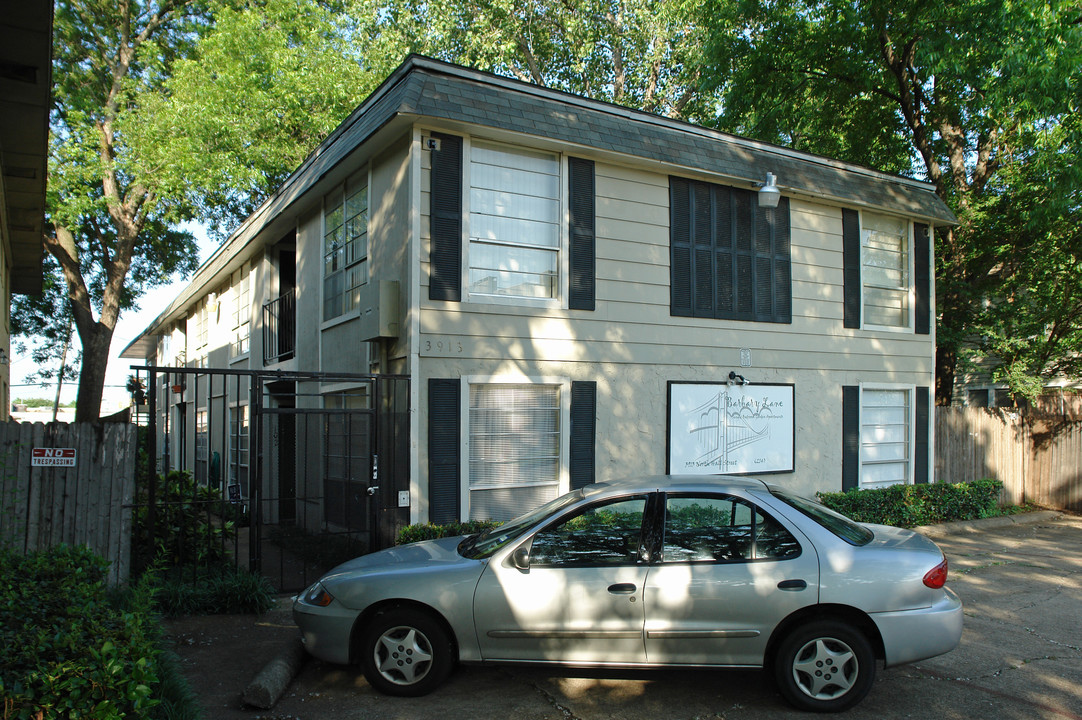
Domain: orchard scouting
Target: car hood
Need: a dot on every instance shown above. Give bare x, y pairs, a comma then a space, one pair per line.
410, 557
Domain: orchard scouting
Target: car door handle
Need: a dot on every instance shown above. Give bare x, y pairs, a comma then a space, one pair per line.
622, 588
792, 585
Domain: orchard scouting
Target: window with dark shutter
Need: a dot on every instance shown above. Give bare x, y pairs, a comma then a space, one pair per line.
920, 444
729, 258
851, 267
582, 257
583, 433
445, 198
444, 443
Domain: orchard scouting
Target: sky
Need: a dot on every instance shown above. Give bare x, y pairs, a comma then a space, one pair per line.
130, 325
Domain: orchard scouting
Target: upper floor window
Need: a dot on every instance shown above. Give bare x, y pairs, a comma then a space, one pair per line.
242, 311
729, 258
514, 222
345, 247
885, 260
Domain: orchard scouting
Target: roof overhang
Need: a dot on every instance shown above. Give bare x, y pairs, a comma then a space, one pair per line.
26, 30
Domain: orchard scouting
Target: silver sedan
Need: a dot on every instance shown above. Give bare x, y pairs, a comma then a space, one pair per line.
655, 571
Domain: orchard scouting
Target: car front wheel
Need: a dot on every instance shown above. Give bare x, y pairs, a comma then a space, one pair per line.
825, 666
405, 652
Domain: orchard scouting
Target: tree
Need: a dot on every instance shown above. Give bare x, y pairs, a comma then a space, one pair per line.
112, 229
978, 97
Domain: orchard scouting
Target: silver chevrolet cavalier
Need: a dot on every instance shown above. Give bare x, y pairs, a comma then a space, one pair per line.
656, 571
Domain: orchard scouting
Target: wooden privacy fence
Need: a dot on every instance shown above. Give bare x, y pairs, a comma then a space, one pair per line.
81, 500
1037, 455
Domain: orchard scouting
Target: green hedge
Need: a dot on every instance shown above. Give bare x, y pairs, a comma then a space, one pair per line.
913, 505
68, 649
428, 531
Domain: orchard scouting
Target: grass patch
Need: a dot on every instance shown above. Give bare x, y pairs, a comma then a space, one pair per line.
214, 591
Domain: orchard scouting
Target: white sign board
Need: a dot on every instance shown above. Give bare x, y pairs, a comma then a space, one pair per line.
732, 429
53, 457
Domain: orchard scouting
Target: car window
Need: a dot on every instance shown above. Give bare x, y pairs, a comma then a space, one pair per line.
722, 528
605, 533
836, 523
484, 544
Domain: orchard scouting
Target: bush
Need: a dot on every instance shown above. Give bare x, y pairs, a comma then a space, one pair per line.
913, 505
428, 531
187, 529
213, 591
69, 651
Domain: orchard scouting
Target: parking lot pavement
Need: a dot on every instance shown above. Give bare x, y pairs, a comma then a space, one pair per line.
1020, 657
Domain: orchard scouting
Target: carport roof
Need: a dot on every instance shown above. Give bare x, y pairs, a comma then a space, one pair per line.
426, 89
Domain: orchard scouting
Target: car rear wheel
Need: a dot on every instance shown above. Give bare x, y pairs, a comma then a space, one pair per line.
825, 666
405, 652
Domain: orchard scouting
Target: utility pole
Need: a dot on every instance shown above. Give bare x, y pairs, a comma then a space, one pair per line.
60, 375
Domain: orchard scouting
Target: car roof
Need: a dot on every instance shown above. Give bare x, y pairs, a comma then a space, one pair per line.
675, 483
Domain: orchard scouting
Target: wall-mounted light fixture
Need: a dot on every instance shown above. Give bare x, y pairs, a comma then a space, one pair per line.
735, 379
769, 195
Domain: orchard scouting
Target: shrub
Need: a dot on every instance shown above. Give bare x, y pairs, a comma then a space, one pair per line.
913, 505
214, 590
187, 528
428, 531
69, 651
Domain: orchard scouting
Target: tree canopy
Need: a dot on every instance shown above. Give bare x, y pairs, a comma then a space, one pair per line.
980, 98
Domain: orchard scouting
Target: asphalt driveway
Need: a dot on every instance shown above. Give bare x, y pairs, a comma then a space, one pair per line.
1020, 657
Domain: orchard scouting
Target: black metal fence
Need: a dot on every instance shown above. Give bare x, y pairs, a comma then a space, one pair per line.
286, 474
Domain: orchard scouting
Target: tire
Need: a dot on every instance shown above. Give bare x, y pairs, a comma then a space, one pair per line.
405, 652
824, 666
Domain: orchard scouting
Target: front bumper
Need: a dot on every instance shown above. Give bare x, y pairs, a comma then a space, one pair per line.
325, 631
911, 635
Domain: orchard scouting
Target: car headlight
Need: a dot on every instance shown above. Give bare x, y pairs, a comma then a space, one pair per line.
317, 595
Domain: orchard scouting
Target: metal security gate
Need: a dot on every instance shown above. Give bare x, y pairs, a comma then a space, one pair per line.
287, 474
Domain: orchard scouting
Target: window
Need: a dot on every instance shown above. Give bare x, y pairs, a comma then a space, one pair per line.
202, 447
514, 459
514, 222
729, 258
607, 533
345, 247
885, 270
885, 436
238, 447
722, 528
242, 311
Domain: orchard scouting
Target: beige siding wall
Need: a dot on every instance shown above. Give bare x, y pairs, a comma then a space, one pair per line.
633, 347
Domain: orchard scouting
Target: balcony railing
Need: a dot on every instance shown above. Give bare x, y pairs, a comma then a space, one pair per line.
280, 328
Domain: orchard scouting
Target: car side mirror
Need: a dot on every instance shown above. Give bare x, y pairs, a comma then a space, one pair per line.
521, 557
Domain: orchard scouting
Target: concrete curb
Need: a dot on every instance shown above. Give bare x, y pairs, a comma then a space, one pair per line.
967, 526
271, 682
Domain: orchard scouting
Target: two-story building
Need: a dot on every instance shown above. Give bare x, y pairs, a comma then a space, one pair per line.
576, 291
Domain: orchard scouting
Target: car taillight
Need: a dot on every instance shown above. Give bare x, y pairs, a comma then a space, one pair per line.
937, 576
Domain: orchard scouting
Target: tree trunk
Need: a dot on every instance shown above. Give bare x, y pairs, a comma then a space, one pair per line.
946, 362
96, 339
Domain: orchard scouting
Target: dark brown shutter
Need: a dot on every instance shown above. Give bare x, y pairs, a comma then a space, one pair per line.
921, 459
851, 267
922, 278
583, 433
582, 258
850, 437
444, 450
445, 199
680, 247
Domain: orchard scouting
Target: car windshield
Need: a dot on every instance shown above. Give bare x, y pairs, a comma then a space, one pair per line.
485, 543
839, 524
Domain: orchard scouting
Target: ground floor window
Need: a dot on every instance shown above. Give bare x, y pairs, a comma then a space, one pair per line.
238, 449
514, 441
202, 447
886, 436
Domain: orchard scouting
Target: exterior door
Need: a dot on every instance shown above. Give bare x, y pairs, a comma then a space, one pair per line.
580, 600
728, 572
